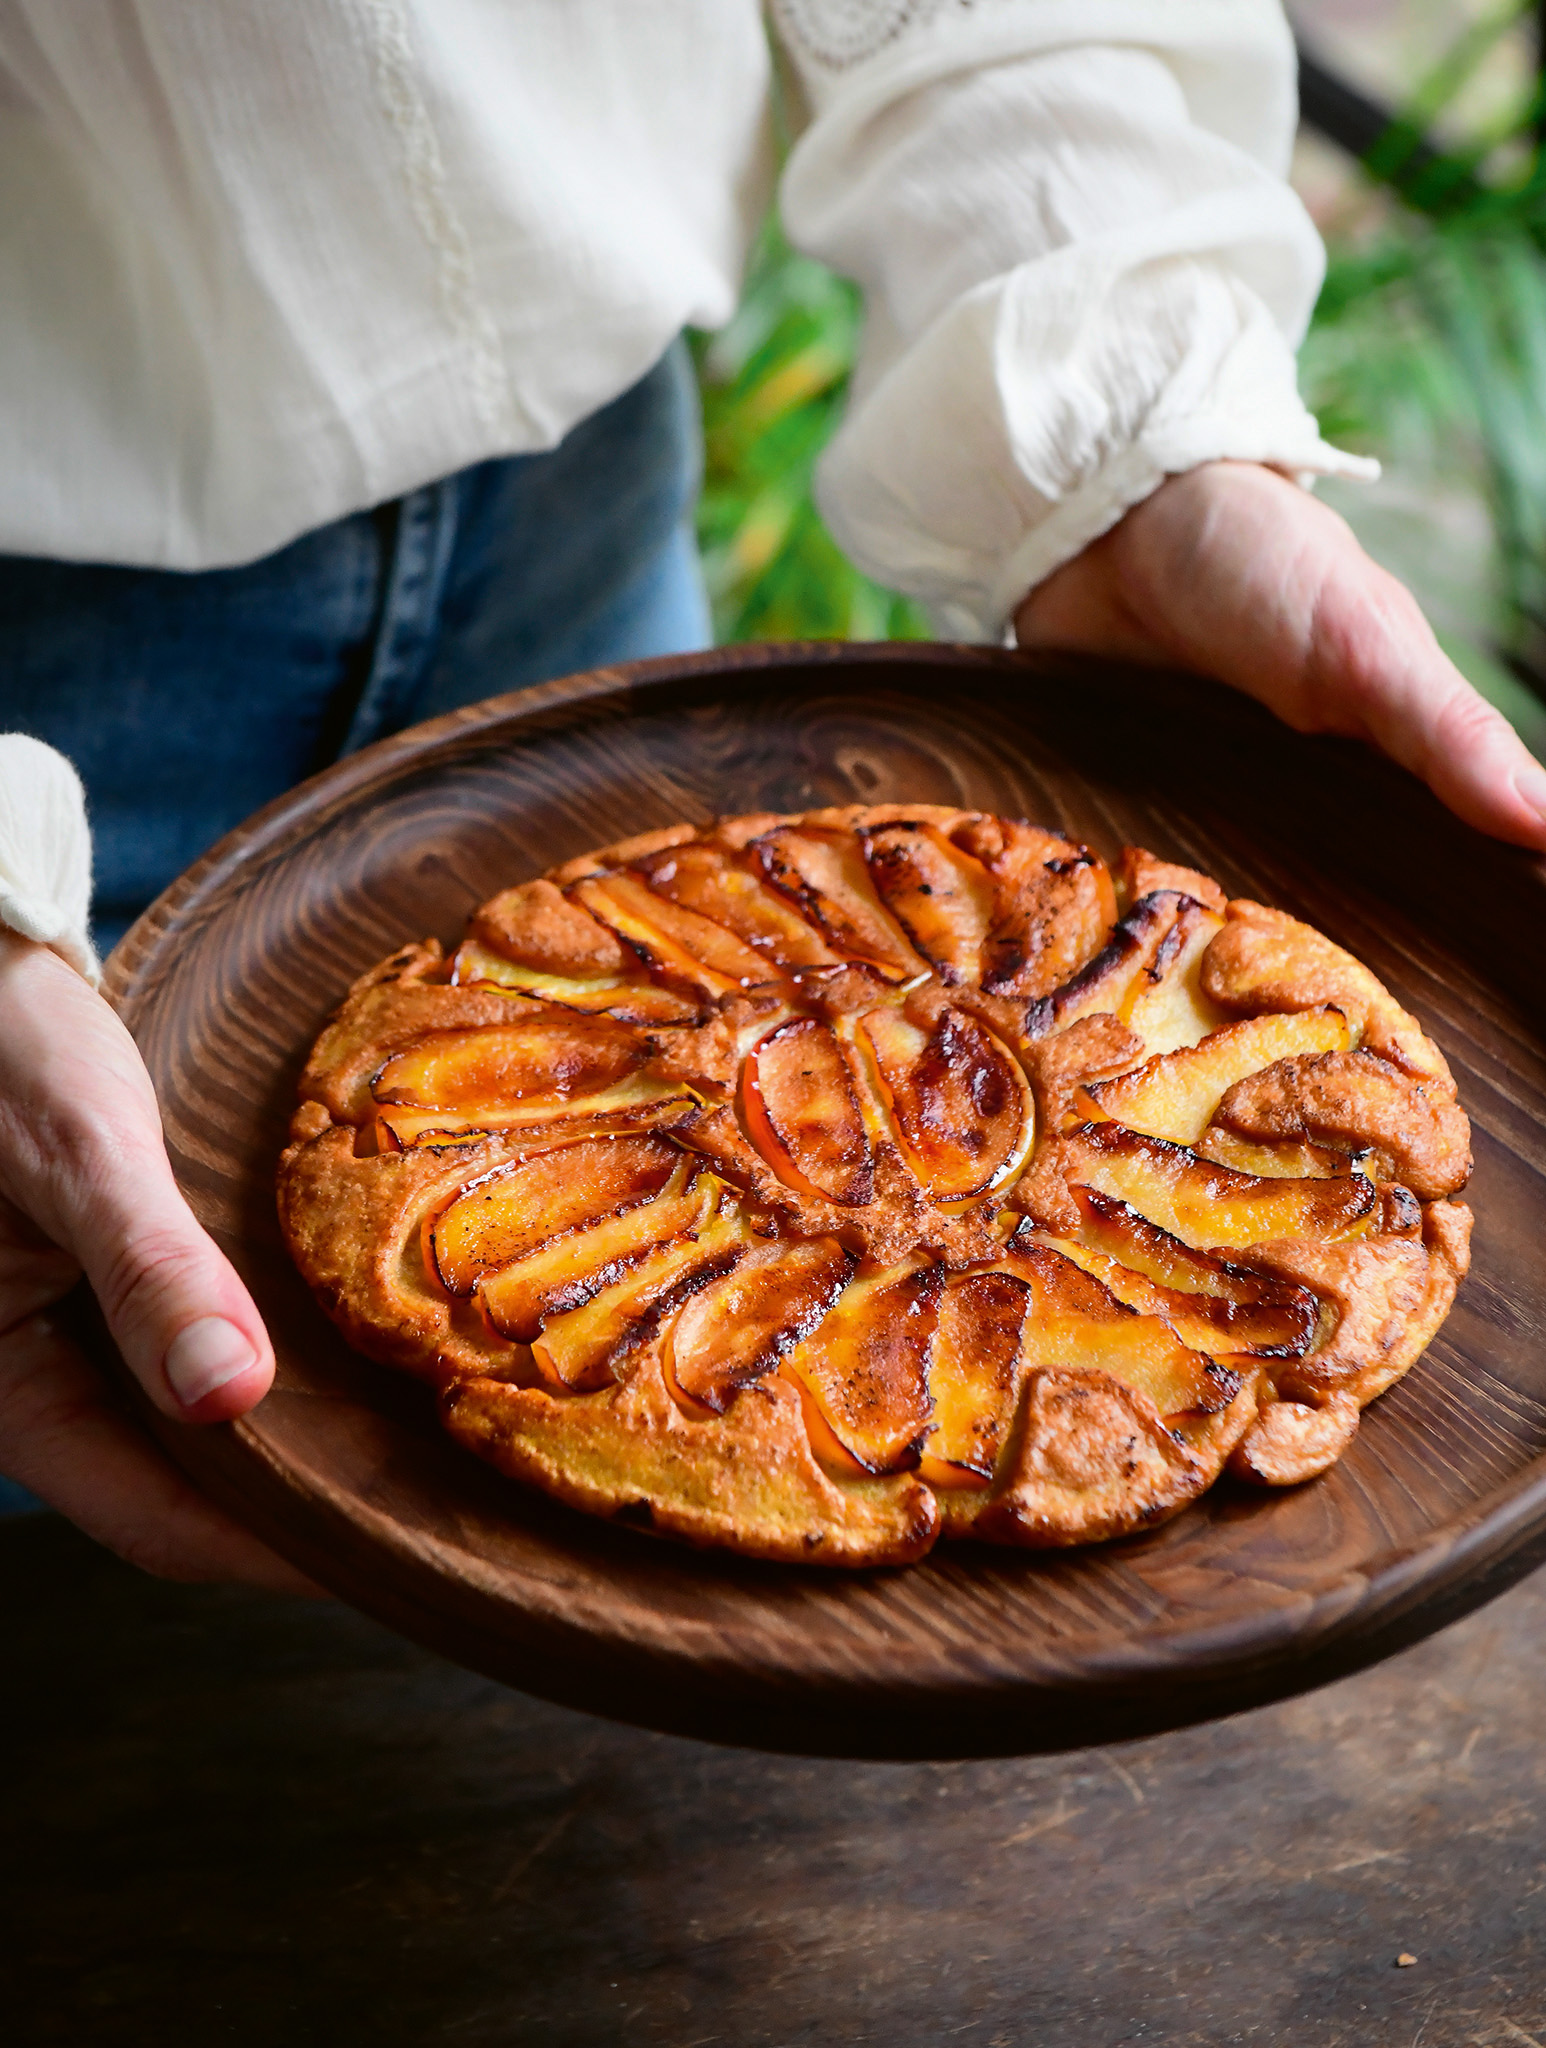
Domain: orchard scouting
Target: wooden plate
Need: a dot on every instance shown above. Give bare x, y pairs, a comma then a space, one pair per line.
1440, 1503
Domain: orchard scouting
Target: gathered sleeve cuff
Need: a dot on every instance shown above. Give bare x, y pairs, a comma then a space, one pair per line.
1083, 271
45, 851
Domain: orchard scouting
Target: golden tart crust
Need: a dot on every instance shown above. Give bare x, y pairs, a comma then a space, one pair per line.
819, 1185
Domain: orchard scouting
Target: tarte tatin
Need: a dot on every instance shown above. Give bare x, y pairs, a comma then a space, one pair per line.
818, 1186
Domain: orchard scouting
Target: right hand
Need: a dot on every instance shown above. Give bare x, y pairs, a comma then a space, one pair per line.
1235, 572
85, 1187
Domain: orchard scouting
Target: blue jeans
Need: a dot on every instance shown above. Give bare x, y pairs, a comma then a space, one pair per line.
186, 701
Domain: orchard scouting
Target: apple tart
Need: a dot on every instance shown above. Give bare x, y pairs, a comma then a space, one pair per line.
817, 1186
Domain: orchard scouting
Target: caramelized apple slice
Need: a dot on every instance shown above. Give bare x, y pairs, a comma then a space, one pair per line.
1274, 1161
1210, 1303
1175, 1094
507, 1215
1053, 904
568, 1271
738, 1329
712, 882
1114, 1226
1141, 947
639, 1102
974, 1375
1170, 1007
1141, 873
1207, 1205
1077, 1322
942, 898
671, 938
584, 1348
552, 1056
635, 1002
864, 1368
803, 1114
824, 873
536, 926
961, 1105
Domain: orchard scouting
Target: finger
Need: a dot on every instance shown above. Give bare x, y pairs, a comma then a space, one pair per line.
65, 1442
1234, 571
185, 1324
81, 1152
1375, 668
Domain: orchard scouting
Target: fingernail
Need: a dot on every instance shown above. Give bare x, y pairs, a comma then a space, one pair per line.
206, 1355
1531, 785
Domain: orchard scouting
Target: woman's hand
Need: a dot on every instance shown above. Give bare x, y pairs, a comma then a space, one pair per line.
85, 1187
1235, 572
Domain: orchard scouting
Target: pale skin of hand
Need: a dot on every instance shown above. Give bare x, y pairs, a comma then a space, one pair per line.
85, 1186
1235, 572
1230, 570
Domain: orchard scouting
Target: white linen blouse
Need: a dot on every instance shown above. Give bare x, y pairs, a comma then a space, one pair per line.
266, 262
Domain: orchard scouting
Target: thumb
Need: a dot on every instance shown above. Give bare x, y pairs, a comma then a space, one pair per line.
184, 1322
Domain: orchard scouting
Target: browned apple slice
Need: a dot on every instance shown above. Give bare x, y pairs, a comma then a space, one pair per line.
1274, 1161
1212, 1304
864, 1367
565, 1272
942, 898
1175, 1094
536, 926
713, 882
1114, 1226
737, 1330
634, 1001
640, 1102
1140, 873
1207, 1205
824, 873
551, 1056
1155, 941
802, 1112
675, 941
974, 1374
583, 1348
1077, 1322
961, 1106
501, 1218
1357, 1100
1171, 1008
1053, 904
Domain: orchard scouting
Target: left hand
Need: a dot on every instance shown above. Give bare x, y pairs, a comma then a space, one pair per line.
85, 1187
1235, 572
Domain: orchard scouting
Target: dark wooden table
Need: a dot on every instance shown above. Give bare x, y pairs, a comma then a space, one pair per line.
234, 1818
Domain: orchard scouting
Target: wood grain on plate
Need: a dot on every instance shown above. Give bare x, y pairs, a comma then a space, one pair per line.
1246, 1597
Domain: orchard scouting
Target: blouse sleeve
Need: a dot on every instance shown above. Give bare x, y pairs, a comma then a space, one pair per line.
45, 851
1083, 271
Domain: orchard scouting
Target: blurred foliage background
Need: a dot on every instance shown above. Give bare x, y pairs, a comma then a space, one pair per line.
773, 384
1428, 349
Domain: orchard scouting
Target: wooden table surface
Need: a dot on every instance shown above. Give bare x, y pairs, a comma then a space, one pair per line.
230, 1817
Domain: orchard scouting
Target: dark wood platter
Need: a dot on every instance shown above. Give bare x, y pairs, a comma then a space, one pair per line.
1441, 1502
